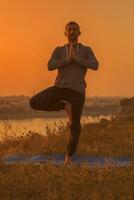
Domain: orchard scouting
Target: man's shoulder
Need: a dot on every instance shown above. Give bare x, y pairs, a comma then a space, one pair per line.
85, 46
80, 44
61, 46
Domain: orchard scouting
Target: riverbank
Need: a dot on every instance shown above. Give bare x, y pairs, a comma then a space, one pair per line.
58, 114
114, 138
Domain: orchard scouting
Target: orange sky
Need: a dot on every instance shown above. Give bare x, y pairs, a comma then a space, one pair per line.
31, 29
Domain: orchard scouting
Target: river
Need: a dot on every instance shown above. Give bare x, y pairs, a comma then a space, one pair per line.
19, 126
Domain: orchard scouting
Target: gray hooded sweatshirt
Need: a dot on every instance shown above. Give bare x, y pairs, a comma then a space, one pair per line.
71, 74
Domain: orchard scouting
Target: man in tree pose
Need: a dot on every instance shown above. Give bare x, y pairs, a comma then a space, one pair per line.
68, 92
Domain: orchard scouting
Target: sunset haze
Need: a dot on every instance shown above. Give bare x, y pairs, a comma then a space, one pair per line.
30, 31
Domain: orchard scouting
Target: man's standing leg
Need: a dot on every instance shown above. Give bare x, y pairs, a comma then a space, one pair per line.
75, 128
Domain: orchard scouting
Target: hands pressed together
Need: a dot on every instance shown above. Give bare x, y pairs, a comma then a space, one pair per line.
72, 53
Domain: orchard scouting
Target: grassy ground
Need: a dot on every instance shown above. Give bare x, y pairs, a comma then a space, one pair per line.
47, 182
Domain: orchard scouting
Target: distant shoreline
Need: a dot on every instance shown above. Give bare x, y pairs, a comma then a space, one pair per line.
52, 115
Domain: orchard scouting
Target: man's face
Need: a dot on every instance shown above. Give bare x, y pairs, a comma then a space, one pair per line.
72, 32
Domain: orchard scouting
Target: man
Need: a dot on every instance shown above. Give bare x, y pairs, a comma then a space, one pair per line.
68, 92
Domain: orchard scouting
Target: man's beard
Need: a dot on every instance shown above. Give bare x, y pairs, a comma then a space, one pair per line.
73, 37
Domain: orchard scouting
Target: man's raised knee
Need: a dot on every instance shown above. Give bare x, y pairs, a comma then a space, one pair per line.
32, 103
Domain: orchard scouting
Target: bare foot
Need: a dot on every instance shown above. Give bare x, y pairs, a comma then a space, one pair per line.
69, 112
69, 124
67, 160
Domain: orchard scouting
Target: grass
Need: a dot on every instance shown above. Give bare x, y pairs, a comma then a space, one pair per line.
47, 182
71, 183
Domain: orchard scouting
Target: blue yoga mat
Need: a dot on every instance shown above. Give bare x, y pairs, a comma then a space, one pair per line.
58, 159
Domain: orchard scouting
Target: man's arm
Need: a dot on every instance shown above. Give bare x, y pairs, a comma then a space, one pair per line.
90, 62
55, 62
